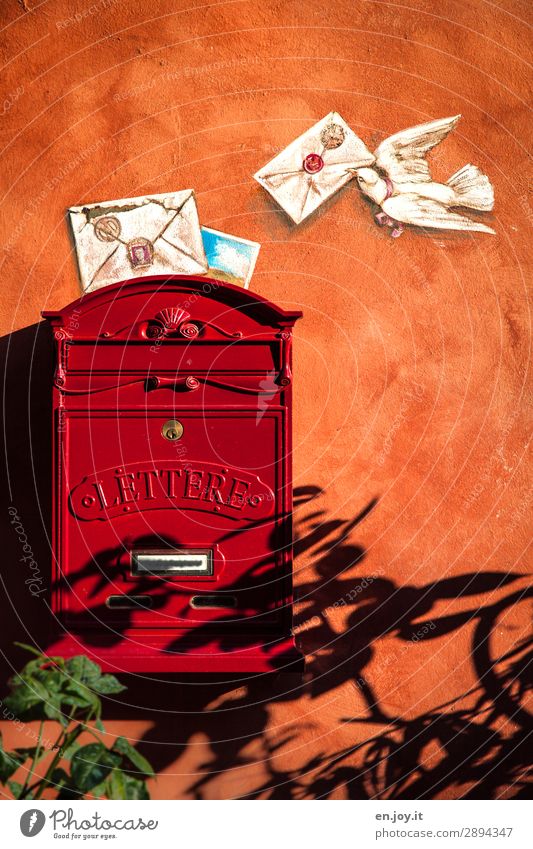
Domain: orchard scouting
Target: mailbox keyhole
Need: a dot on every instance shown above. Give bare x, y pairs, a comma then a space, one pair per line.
172, 430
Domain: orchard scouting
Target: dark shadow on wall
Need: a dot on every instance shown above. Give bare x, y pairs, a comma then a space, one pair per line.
26, 372
480, 740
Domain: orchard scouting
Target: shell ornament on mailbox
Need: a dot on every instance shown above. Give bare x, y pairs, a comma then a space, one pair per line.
172, 538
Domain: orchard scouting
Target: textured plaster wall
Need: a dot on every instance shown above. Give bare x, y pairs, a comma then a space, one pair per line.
412, 366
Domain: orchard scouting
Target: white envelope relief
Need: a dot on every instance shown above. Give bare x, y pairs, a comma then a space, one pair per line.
133, 237
314, 166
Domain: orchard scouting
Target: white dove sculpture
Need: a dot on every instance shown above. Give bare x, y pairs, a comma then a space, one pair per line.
402, 186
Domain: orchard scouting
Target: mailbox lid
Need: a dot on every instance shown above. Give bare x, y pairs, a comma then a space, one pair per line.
127, 357
173, 308
153, 386
121, 340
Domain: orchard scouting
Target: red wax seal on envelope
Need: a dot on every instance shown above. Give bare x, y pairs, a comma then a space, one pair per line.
329, 153
313, 163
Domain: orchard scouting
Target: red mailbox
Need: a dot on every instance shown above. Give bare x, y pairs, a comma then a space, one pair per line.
172, 539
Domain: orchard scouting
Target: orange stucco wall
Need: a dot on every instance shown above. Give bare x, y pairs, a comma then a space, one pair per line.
411, 362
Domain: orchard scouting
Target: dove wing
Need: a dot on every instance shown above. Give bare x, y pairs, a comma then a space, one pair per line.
403, 155
425, 212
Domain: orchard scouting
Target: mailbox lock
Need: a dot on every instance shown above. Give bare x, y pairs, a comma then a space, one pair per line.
172, 430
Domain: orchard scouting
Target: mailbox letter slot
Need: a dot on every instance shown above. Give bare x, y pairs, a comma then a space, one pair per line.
187, 563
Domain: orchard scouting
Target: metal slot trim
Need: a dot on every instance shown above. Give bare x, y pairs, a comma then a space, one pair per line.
183, 562
128, 602
213, 602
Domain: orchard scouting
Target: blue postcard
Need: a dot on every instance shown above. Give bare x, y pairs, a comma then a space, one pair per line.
230, 258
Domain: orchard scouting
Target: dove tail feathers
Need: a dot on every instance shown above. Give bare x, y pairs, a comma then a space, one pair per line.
472, 189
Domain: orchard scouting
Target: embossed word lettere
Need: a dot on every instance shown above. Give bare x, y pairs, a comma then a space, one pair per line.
191, 486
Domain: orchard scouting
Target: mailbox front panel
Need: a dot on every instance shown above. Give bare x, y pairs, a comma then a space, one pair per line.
217, 486
172, 498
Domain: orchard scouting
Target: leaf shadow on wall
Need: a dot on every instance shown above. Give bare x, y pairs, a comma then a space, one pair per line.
477, 742
471, 746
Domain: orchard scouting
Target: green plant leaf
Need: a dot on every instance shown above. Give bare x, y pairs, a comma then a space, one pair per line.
31, 649
91, 765
125, 748
83, 669
99, 790
16, 789
63, 690
9, 762
107, 685
70, 750
34, 690
30, 668
135, 788
42, 658
52, 710
61, 782
80, 697
21, 700
36, 687
75, 702
52, 679
59, 778
100, 725
115, 787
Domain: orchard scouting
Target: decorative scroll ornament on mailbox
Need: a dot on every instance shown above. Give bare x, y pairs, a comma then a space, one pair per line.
172, 543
